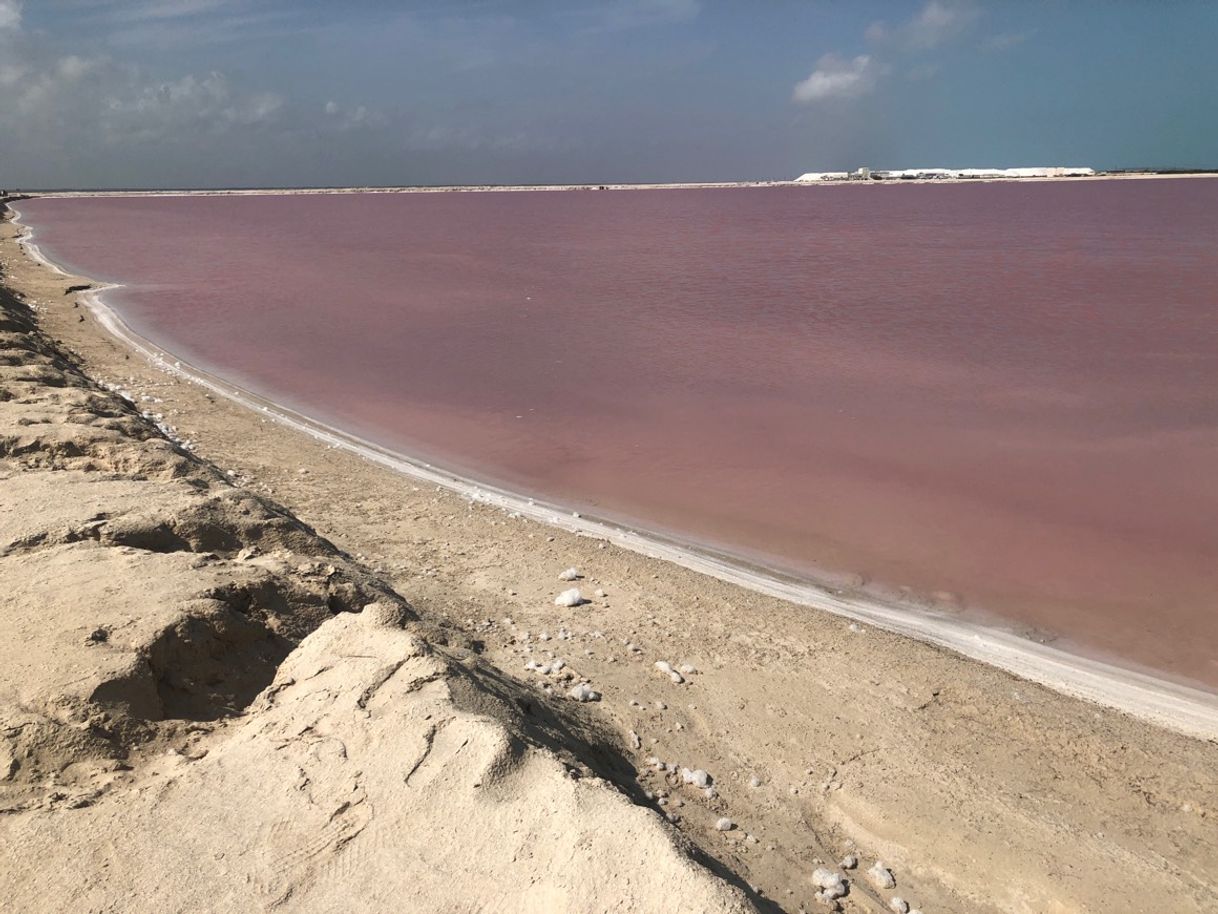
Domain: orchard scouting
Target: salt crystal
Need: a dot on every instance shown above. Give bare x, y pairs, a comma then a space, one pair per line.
571, 574
882, 876
725, 824
570, 597
899, 905
754, 782
832, 884
665, 667
584, 692
849, 862
697, 777
688, 669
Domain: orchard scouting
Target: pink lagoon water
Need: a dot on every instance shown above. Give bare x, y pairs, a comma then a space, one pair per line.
1000, 399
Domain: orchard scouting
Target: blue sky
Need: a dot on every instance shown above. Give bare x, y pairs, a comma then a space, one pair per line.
267, 92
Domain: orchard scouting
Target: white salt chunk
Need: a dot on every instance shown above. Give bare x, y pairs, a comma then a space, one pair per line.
571, 574
584, 692
570, 597
688, 669
666, 668
754, 782
849, 862
899, 904
725, 824
697, 777
881, 876
831, 884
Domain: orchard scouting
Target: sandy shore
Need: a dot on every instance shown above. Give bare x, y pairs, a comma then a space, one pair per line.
521, 188
983, 791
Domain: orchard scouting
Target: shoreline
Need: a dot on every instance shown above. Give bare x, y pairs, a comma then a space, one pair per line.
1183, 708
612, 186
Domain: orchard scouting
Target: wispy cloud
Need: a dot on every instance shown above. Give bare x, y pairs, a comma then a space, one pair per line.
10, 14
936, 24
837, 77
60, 100
346, 117
157, 10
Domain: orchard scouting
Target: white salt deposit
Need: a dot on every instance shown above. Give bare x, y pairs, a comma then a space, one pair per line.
882, 876
584, 692
697, 777
899, 905
570, 597
666, 668
849, 862
725, 824
831, 884
688, 669
571, 574
755, 782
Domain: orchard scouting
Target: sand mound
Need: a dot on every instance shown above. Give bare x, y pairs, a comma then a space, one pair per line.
193, 714
356, 782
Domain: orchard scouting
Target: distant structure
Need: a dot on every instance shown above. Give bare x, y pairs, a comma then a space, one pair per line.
824, 176
946, 174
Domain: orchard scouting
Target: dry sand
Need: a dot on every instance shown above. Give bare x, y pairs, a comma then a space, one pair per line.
140, 763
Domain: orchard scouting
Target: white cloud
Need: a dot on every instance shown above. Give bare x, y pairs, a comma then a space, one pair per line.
837, 77
187, 106
167, 9
936, 24
349, 118
10, 14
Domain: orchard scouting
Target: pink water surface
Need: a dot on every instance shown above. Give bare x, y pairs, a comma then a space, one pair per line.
1006, 394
